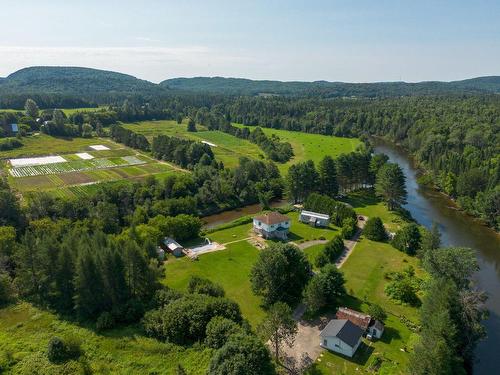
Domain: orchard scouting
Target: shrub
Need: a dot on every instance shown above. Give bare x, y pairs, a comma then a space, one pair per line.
219, 330
377, 312
374, 229
348, 228
243, 355
56, 350
407, 239
204, 286
164, 296
184, 320
105, 321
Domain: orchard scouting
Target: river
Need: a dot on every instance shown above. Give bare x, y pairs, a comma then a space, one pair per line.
458, 229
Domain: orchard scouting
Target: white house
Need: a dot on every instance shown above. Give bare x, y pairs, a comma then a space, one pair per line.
272, 225
172, 246
314, 218
372, 327
376, 329
341, 336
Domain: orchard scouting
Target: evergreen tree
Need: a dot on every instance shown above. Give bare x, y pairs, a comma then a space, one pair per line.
89, 288
328, 177
390, 185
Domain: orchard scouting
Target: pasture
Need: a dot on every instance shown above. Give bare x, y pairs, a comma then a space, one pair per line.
74, 167
313, 147
228, 148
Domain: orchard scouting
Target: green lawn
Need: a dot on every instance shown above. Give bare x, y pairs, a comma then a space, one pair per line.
230, 268
229, 148
26, 330
311, 146
364, 273
301, 232
312, 253
366, 203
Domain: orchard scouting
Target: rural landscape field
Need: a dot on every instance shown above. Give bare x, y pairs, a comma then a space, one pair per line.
80, 168
249, 188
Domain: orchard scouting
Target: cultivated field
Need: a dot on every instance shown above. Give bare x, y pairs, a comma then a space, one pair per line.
75, 167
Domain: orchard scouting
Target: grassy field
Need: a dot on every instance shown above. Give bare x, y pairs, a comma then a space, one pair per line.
366, 203
26, 330
301, 232
364, 273
230, 268
43, 144
229, 148
311, 146
78, 177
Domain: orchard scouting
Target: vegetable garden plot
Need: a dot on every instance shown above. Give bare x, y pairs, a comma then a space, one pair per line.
27, 162
71, 166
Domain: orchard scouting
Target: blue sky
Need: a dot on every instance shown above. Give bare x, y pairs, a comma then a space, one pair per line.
354, 41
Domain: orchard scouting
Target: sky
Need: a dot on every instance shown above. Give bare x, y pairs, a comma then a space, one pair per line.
350, 41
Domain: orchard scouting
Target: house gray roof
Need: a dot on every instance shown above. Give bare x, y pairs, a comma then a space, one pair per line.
378, 325
344, 329
315, 214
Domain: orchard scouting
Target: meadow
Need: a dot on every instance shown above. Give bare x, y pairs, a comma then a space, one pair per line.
229, 148
26, 330
311, 146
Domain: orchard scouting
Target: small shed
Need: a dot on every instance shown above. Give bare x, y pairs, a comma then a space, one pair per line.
376, 329
161, 253
172, 246
314, 218
341, 336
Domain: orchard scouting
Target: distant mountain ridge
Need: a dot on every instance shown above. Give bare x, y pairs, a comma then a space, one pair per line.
75, 81
101, 85
242, 86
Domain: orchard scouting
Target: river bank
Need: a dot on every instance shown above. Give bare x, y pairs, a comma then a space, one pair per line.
426, 206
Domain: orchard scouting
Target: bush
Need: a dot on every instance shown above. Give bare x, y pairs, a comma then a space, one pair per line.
324, 289
204, 286
184, 320
219, 330
348, 228
242, 355
377, 312
105, 321
374, 229
59, 350
407, 239
164, 296
56, 350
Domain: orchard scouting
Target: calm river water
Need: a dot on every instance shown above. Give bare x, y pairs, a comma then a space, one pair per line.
458, 229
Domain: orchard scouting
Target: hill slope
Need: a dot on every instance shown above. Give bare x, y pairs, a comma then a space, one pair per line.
74, 81
240, 86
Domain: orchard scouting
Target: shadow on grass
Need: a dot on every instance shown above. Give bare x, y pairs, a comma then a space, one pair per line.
389, 335
362, 198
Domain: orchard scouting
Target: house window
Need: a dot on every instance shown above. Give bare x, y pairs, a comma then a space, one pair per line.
325, 342
337, 345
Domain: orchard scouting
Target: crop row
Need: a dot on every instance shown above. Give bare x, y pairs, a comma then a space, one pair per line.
73, 166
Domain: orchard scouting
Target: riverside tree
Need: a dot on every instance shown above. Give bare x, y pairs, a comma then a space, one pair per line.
390, 185
279, 326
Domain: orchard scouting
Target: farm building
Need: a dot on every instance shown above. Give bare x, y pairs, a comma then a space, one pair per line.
272, 225
314, 218
341, 336
370, 326
172, 246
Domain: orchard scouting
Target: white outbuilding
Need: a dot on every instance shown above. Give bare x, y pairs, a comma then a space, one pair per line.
341, 336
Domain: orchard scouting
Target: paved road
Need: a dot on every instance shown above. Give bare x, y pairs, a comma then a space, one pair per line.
307, 339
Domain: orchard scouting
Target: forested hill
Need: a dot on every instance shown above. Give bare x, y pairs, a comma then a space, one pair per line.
240, 86
79, 82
